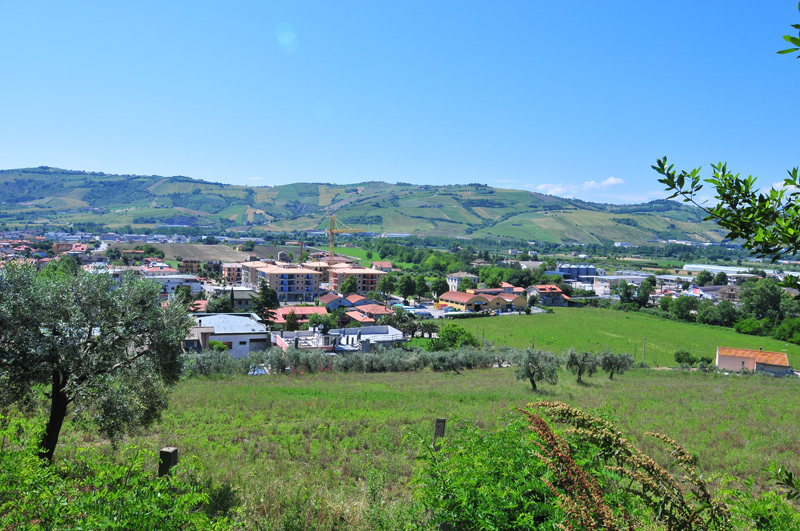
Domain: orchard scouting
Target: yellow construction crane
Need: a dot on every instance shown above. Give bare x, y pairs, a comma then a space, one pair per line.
341, 229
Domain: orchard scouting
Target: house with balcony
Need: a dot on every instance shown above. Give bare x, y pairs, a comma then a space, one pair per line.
232, 273
366, 279
549, 295
190, 265
291, 282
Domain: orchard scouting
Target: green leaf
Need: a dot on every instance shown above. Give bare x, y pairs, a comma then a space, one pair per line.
793, 40
789, 50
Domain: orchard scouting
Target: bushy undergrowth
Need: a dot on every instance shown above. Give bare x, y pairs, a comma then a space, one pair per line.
577, 472
93, 491
215, 363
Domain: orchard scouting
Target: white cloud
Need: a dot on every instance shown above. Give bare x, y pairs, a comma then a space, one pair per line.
781, 186
572, 190
594, 185
562, 190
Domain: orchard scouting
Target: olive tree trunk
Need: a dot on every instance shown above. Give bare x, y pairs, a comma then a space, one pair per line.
58, 412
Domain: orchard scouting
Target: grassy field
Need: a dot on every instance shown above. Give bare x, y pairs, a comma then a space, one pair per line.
595, 329
315, 449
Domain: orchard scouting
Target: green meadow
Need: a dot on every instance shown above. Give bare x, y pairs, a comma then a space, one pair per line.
595, 329
337, 450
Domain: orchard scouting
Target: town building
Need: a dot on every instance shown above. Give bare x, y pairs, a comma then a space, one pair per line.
232, 273
341, 340
463, 302
454, 279
366, 279
241, 333
549, 295
291, 282
190, 265
302, 313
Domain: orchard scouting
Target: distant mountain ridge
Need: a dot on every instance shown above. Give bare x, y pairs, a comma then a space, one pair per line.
57, 196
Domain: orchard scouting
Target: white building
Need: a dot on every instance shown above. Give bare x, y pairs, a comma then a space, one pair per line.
240, 332
454, 279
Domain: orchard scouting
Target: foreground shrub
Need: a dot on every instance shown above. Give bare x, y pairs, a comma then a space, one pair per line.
209, 363
486, 480
91, 491
577, 472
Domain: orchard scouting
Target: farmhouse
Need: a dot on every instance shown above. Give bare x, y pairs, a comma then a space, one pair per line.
736, 359
382, 266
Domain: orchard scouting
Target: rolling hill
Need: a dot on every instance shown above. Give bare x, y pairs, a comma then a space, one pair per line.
59, 197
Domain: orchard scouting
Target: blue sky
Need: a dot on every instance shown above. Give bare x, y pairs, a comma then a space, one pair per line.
571, 98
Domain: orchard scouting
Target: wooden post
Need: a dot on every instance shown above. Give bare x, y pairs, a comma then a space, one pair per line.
438, 432
167, 458
644, 345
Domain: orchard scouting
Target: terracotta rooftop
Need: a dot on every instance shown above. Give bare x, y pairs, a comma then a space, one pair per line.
360, 317
547, 288
761, 356
302, 312
457, 296
328, 297
375, 309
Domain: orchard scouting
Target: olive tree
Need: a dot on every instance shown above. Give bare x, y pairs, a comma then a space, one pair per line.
581, 363
106, 351
615, 362
536, 365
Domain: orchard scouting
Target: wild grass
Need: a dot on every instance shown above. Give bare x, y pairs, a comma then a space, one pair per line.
338, 447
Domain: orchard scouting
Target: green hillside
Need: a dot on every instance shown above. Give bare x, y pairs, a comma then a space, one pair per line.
59, 197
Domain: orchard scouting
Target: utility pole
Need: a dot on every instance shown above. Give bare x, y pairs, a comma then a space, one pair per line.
643, 347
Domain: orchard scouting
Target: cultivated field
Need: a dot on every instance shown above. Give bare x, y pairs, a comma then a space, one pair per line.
596, 329
336, 451
215, 252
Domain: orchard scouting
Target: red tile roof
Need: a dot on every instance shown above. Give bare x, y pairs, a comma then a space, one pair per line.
360, 317
328, 298
459, 297
761, 356
302, 312
547, 288
375, 309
